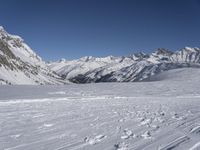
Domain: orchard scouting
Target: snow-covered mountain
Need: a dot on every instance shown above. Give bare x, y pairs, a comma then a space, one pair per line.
19, 64
135, 67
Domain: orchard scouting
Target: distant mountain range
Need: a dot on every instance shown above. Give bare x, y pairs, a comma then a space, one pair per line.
136, 67
19, 64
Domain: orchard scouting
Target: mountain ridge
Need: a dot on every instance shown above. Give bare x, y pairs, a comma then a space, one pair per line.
135, 67
19, 64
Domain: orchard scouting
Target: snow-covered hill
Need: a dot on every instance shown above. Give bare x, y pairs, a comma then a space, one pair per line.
19, 64
135, 67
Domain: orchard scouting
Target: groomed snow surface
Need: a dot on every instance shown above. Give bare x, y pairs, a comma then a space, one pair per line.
163, 114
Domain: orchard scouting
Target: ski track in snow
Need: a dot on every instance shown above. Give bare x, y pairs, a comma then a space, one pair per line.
101, 117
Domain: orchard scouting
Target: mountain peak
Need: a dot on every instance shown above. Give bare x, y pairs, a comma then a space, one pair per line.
139, 56
1, 28
190, 49
3, 32
62, 60
86, 58
163, 51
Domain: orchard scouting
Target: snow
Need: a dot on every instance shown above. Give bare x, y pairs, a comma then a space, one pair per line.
196, 146
1, 28
21, 78
24, 52
163, 115
1, 53
190, 49
15, 77
136, 67
21, 65
89, 64
20, 48
26, 67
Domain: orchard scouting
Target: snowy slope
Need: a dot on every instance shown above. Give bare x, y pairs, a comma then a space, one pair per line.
160, 115
19, 64
137, 67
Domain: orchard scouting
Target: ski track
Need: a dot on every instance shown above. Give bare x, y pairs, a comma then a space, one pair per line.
107, 121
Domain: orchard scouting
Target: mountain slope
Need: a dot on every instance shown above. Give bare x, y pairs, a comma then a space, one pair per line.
21, 65
137, 67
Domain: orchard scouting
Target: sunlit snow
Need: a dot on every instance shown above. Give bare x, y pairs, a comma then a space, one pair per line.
163, 115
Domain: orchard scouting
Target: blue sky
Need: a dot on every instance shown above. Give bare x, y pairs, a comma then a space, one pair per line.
74, 28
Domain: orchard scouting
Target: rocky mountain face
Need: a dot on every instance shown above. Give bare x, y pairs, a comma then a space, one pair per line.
19, 64
137, 67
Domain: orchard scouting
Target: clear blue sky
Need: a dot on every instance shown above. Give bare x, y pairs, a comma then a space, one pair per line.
74, 28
